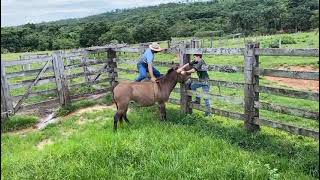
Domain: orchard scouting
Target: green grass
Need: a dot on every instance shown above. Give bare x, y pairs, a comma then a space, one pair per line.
18, 122
62, 111
184, 147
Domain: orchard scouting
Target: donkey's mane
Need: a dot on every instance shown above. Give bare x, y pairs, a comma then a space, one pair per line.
168, 73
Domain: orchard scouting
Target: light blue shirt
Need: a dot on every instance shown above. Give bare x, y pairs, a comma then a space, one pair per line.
147, 56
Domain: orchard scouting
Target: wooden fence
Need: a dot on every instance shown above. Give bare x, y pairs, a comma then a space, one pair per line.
61, 63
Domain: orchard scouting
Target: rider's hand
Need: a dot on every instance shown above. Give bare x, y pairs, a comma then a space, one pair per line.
179, 70
153, 79
183, 72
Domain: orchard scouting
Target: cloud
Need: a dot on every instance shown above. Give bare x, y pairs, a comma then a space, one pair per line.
17, 12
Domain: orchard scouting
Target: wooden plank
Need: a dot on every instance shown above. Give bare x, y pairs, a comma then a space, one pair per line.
29, 61
290, 128
88, 63
90, 83
227, 84
42, 81
18, 105
97, 91
216, 51
112, 65
233, 115
27, 73
48, 103
289, 74
88, 73
126, 70
228, 99
127, 49
185, 100
61, 80
310, 52
37, 93
226, 68
251, 81
288, 110
6, 101
289, 93
85, 68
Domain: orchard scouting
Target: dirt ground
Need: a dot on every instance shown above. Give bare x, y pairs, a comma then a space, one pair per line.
312, 85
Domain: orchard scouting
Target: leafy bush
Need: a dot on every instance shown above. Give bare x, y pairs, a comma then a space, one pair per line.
287, 40
18, 122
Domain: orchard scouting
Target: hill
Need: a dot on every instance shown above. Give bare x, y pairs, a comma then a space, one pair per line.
164, 21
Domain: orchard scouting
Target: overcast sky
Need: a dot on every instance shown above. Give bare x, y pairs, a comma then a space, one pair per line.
17, 12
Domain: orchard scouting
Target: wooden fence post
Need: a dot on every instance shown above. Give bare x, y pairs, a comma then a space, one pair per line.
61, 79
85, 66
112, 64
185, 100
251, 88
6, 101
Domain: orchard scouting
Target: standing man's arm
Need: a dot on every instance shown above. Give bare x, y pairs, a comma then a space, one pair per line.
150, 57
153, 78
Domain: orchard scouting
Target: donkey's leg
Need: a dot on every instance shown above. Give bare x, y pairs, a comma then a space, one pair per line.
163, 113
115, 122
126, 118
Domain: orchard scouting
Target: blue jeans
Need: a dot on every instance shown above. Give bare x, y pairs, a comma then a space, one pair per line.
143, 72
205, 87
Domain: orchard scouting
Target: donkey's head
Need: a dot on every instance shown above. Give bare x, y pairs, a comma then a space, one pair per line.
181, 78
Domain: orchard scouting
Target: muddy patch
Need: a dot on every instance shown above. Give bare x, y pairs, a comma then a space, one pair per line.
299, 84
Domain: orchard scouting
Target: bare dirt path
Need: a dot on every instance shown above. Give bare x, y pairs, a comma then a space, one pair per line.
307, 85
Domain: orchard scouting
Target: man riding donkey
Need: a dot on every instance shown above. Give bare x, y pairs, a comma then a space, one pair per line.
145, 63
198, 65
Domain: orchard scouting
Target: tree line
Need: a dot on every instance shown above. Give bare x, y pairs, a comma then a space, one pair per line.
161, 22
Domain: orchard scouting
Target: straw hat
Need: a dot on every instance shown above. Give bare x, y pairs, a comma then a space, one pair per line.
155, 47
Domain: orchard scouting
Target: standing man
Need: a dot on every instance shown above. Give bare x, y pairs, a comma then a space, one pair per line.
198, 65
145, 63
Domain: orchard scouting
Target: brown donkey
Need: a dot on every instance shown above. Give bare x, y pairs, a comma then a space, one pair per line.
146, 94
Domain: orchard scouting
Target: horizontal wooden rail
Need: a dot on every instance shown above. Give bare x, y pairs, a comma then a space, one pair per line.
26, 83
91, 83
37, 93
227, 84
28, 61
48, 103
264, 122
96, 91
216, 51
89, 63
287, 52
228, 99
288, 110
27, 73
126, 70
233, 115
289, 93
88, 73
289, 74
289, 128
258, 51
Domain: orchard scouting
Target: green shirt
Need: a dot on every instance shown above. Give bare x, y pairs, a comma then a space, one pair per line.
201, 68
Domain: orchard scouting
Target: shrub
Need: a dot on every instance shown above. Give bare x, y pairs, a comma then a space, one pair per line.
287, 40
18, 122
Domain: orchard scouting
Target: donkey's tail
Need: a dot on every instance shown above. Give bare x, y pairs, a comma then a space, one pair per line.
114, 100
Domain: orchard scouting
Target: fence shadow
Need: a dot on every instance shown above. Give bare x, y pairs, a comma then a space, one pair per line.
277, 144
